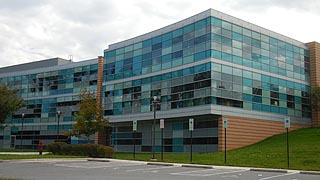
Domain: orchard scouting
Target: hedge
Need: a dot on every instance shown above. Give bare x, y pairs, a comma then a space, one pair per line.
91, 150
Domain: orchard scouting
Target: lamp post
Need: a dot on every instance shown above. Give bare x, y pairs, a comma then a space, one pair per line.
153, 134
22, 121
58, 114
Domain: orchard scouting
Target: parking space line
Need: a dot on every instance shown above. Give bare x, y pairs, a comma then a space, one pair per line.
287, 174
189, 172
194, 171
229, 172
146, 169
86, 166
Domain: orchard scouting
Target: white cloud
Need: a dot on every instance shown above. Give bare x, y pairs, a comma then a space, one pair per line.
34, 29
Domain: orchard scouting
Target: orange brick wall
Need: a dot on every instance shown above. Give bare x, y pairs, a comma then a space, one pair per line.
314, 48
244, 131
100, 137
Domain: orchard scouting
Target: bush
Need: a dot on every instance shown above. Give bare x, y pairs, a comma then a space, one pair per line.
91, 150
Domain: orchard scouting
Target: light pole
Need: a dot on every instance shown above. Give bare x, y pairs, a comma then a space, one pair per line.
58, 114
22, 121
153, 134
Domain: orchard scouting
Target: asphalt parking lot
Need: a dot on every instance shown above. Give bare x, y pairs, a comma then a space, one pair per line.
47, 169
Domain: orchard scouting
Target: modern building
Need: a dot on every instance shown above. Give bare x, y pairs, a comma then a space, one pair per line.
208, 67
47, 87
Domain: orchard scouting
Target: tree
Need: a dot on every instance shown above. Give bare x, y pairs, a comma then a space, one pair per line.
315, 98
10, 102
89, 119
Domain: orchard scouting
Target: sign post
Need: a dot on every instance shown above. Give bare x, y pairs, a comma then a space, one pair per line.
161, 127
287, 124
191, 125
134, 128
225, 126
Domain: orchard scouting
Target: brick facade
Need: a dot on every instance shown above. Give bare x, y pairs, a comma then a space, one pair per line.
314, 48
244, 131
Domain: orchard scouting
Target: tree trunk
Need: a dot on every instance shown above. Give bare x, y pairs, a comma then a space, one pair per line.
88, 139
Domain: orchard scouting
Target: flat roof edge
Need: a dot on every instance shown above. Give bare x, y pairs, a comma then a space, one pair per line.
202, 15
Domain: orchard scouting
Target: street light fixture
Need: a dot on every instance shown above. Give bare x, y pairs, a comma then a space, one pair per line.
22, 121
155, 101
58, 114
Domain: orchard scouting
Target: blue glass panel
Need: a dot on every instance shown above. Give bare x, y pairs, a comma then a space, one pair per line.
167, 43
257, 107
247, 82
226, 57
167, 36
297, 99
146, 56
200, 56
274, 80
257, 99
136, 82
111, 53
201, 23
166, 58
237, 36
247, 97
283, 110
188, 28
146, 63
215, 54
200, 68
187, 71
177, 32
146, 43
216, 21
156, 40
177, 54
283, 96
275, 109
290, 84
266, 108
137, 66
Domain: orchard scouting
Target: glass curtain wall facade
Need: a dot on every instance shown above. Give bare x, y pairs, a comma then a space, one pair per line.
204, 67
46, 91
210, 61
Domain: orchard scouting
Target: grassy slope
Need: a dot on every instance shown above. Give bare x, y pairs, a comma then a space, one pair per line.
304, 153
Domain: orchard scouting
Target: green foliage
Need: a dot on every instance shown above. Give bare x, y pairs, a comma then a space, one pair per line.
315, 98
9, 102
91, 150
270, 153
89, 119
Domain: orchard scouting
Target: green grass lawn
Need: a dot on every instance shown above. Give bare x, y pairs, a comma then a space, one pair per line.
271, 153
1, 178
12, 157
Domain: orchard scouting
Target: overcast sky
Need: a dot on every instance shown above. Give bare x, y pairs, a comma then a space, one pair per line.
32, 30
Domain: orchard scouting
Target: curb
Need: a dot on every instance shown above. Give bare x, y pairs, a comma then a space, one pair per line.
269, 170
99, 160
310, 172
197, 166
160, 164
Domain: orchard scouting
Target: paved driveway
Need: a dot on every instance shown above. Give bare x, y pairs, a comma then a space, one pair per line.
128, 170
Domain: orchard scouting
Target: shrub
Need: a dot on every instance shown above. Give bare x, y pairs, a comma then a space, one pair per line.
91, 150
55, 147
